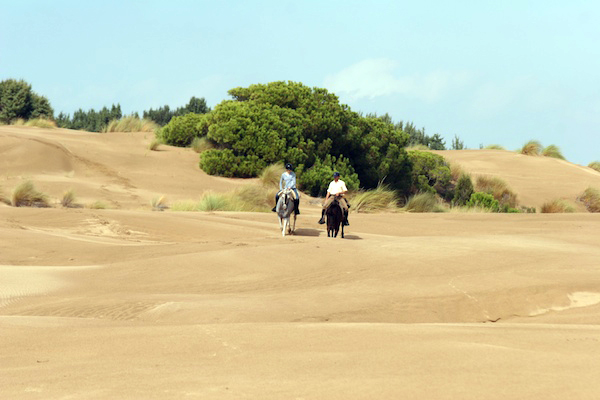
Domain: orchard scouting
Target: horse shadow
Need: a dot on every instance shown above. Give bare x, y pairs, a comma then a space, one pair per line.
307, 232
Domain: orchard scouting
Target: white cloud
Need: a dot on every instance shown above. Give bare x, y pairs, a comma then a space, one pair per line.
379, 77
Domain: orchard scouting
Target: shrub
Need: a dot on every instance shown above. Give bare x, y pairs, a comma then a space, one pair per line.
423, 202
271, 174
552, 151
463, 190
214, 202
532, 148
153, 146
131, 124
223, 162
253, 198
200, 144
557, 206
430, 173
381, 198
591, 199
316, 179
497, 188
26, 195
595, 165
41, 123
494, 147
98, 205
455, 171
180, 131
483, 200
68, 199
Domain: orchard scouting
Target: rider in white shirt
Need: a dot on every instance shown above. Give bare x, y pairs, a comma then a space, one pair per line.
337, 189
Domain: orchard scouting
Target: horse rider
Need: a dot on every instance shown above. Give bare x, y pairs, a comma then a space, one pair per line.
288, 181
337, 188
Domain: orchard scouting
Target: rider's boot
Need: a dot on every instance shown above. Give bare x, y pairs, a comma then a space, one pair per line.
296, 206
322, 220
346, 223
276, 200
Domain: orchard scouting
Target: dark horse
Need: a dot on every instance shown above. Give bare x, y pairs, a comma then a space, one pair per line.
335, 216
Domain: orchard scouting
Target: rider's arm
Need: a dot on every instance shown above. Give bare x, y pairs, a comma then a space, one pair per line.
281, 182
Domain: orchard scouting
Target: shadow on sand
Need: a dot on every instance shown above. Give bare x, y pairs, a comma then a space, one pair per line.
307, 232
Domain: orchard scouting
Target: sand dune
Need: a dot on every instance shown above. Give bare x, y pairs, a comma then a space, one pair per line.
131, 303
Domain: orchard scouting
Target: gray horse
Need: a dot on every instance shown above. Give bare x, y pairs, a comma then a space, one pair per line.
285, 209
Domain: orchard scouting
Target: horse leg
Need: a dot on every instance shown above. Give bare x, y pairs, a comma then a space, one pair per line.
342, 230
294, 225
285, 225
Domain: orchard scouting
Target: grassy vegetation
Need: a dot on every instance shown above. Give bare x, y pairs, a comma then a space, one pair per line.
497, 188
271, 174
455, 171
131, 124
41, 123
153, 146
591, 199
424, 202
68, 199
494, 147
552, 151
253, 198
531, 148
201, 144
557, 206
26, 195
98, 205
420, 147
381, 198
595, 165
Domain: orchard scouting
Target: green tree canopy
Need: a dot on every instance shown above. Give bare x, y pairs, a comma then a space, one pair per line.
17, 100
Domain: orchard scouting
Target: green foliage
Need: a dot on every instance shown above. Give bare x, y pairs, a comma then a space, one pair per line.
316, 179
463, 190
91, 121
485, 201
163, 115
430, 173
497, 188
224, 162
182, 130
419, 137
17, 100
457, 144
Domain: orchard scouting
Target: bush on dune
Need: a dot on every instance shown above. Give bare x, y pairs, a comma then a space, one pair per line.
201, 144
494, 147
182, 130
131, 124
531, 148
463, 190
591, 199
68, 199
497, 188
483, 201
41, 123
381, 198
552, 151
26, 195
595, 165
557, 206
423, 202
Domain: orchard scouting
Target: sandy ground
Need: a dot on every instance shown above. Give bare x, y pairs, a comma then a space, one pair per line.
130, 303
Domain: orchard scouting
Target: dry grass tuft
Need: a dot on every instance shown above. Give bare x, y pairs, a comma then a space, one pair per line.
381, 198
98, 205
595, 165
494, 147
68, 199
201, 144
131, 124
271, 175
26, 195
557, 206
252, 198
153, 146
497, 188
456, 171
591, 199
552, 151
159, 203
531, 148
424, 202
18, 122
419, 147
41, 123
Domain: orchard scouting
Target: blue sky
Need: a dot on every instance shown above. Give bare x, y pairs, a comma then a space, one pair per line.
490, 72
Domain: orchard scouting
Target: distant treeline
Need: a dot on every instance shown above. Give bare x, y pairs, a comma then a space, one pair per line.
96, 121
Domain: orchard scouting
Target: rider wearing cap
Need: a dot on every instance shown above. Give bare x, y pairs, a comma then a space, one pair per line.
337, 188
288, 181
